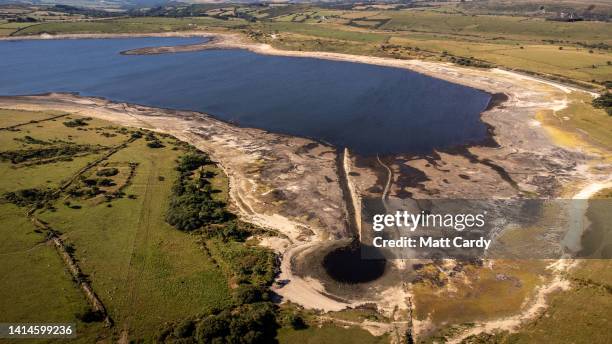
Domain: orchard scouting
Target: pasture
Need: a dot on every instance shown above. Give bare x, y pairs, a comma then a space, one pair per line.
144, 271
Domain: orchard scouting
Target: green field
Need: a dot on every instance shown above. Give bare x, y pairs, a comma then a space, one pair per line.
126, 25
146, 272
329, 334
580, 315
578, 124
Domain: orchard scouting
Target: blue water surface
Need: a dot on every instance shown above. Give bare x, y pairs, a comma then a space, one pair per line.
370, 109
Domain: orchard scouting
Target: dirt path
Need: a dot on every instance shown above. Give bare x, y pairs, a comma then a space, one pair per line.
385, 193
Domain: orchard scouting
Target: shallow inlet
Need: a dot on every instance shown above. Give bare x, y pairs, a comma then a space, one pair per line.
369, 109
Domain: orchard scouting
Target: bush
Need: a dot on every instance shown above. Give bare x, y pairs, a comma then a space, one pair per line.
194, 208
249, 324
155, 144
247, 293
24, 155
191, 203
192, 161
184, 329
27, 197
105, 182
90, 316
77, 122
107, 172
604, 101
295, 321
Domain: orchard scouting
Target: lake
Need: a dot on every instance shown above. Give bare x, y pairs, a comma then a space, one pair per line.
370, 109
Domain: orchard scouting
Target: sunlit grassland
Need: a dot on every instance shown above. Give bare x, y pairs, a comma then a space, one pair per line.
513, 42
321, 329
13, 117
8, 28
144, 271
329, 334
579, 122
484, 297
130, 25
496, 27
35, 286
52, 174
578, 315
574, 62
327, 31
220, 183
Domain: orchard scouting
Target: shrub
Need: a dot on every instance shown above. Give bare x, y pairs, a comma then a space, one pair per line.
58, 151
77, 122
192, 161
105, 182
252, 323
155, 144
248, 293
90, 316
107, 172
191, 203
604, 101
27, 197
184, 329
295, 321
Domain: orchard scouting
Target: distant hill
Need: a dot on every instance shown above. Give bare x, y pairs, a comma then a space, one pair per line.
139, 3
91, 3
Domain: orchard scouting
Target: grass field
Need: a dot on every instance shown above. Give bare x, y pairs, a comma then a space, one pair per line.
571, 315
144, 271
159, 269
495, 27
329, 334
485, 297
35, 287
580, 122
127, 25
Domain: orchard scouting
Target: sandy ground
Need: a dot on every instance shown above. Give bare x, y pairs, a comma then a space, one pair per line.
275, 180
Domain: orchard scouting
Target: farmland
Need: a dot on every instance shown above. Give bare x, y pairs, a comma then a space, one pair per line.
111, 218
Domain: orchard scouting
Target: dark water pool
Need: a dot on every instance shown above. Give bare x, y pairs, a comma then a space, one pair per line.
370, 109
345, 265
